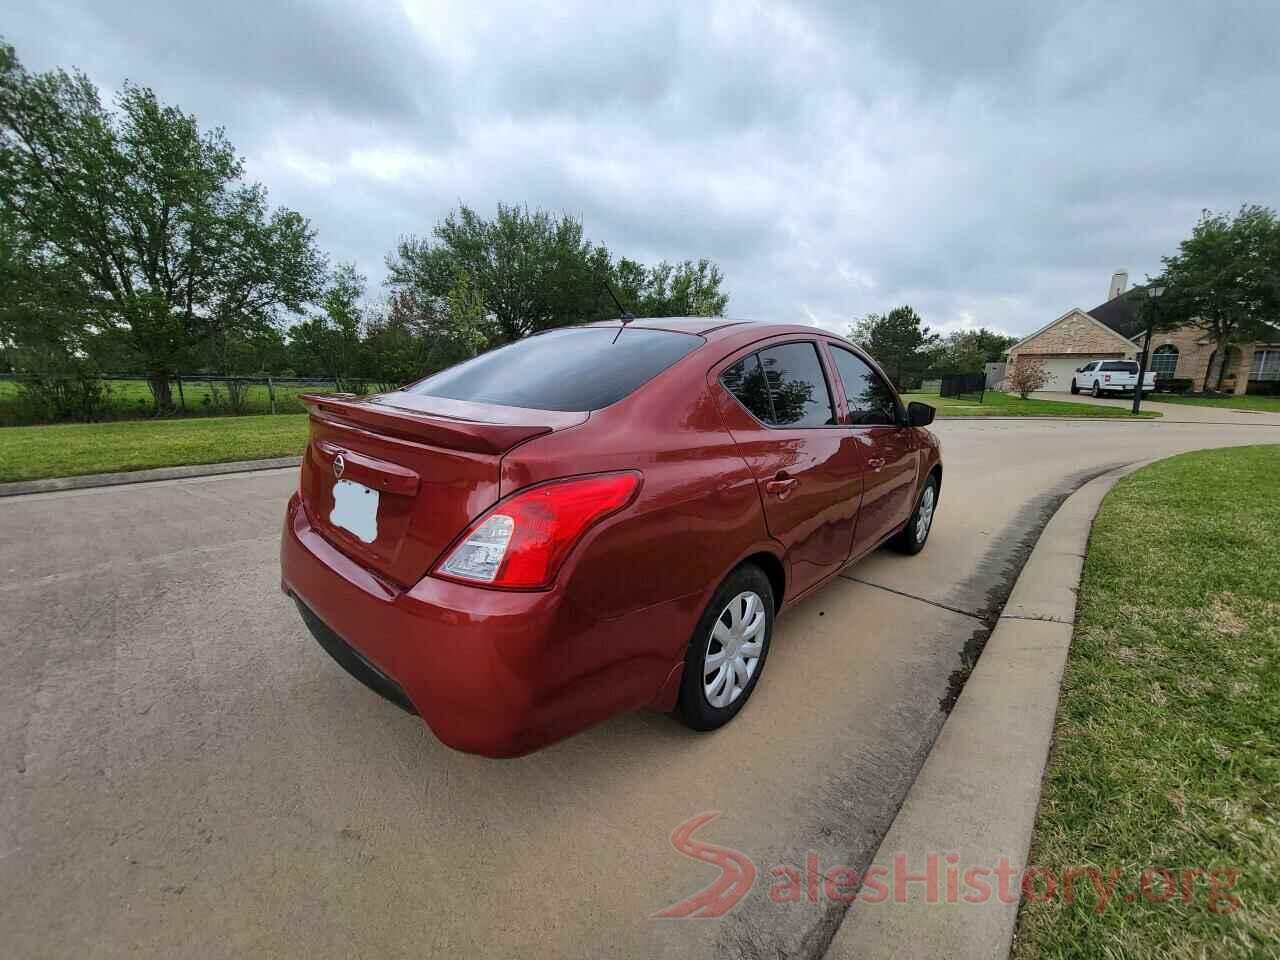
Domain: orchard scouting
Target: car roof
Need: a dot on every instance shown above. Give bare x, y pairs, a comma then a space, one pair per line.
699, 326
717, 328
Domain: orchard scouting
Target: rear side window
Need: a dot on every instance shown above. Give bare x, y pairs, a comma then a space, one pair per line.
1120, 366
783, 386
571, 369
871, 401
746, 381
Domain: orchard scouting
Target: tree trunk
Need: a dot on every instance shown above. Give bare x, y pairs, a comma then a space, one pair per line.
1217, 365
159, 383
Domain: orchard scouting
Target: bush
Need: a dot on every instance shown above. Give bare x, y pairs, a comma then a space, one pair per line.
1173, 384
1027, 376
74, 396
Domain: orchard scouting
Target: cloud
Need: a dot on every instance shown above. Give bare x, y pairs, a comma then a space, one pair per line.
990, 165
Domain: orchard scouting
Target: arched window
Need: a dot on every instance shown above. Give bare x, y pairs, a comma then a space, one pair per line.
1165, 360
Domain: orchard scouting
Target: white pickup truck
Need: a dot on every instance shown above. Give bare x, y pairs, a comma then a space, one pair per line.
1111, 376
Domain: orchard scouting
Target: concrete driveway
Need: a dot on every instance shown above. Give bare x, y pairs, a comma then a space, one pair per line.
184, 772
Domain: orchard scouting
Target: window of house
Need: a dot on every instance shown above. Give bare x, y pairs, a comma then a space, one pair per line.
871, 401
1164, 361
1266, 365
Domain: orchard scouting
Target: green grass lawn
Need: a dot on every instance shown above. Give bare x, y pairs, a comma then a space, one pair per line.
995, 404
132, 400
1167, 747
29, 453
1250, 401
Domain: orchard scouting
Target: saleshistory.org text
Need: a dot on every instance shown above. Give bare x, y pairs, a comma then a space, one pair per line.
941, 877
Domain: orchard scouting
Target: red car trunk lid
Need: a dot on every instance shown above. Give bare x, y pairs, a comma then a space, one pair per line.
434, 462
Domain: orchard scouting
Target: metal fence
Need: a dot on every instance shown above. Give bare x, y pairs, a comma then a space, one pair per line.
178, 383
964, 386
55, 398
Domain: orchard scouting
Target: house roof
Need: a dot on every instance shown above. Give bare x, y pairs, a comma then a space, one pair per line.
1121, 313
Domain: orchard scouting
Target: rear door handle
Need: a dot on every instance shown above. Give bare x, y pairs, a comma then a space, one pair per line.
782, 486
875, 463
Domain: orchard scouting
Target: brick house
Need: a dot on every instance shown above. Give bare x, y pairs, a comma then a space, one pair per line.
1111, 331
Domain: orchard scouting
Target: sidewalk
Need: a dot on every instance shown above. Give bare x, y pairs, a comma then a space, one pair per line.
978, 792
1174, 412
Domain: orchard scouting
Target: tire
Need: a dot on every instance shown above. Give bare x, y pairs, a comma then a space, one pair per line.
1097, 390
1075, 387
916, 534
696, 707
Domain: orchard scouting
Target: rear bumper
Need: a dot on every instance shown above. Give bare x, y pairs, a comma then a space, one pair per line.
491, 672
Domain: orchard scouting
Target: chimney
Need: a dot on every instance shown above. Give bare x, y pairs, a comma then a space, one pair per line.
1119, 283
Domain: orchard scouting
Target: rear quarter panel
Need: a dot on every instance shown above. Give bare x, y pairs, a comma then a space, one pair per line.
697, 512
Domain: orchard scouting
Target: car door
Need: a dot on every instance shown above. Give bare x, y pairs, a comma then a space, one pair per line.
780, 409
1084, 376
874, 417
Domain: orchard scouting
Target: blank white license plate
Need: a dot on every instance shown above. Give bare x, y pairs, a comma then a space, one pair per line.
355, 508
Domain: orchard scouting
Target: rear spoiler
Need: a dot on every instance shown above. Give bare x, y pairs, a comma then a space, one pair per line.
487, 429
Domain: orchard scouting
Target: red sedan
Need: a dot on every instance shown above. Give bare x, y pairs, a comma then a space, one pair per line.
597, 519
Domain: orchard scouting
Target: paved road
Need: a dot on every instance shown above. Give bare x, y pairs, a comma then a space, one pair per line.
183, 772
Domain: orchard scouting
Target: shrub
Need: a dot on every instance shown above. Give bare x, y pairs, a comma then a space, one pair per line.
1027, 376
57, 396
1173, 384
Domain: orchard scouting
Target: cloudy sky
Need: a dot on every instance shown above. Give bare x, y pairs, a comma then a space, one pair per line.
989, 163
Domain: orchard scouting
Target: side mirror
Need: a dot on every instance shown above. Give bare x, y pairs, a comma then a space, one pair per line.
919, 414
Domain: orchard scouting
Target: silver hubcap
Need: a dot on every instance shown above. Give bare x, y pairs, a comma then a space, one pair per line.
733, 654
924, 516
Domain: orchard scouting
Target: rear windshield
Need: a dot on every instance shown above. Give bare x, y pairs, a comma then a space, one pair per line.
572, 369
1120, 366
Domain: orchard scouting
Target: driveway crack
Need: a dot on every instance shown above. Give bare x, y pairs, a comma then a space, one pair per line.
1043, 619
912, 596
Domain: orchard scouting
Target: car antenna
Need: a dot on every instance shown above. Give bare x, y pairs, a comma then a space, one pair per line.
623, 315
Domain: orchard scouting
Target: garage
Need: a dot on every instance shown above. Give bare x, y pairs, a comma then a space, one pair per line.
1062, 369
1067, 344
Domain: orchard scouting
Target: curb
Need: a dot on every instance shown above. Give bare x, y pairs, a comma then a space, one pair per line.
90, 480
979, 789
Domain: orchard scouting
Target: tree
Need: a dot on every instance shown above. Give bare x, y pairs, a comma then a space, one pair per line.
167, 245
1225, 279
681, 290
898, 341
528, 270
398, 345
1027, 376
330, 343
966, 351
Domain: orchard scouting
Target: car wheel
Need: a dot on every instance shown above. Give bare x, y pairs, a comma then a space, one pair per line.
916, 533
1075, 387
1097, 390
727, 651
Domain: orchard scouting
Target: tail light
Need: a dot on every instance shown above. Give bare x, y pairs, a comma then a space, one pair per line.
520, 543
